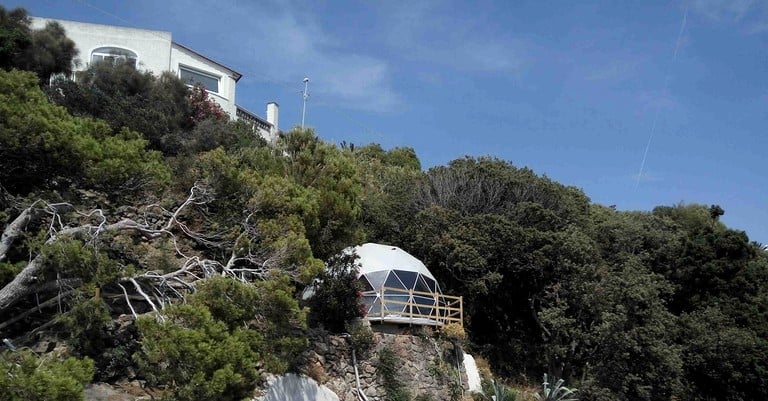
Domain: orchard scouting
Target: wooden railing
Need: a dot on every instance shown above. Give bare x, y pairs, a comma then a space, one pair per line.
444, 309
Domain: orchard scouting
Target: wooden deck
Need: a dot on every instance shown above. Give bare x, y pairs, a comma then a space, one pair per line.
414, 307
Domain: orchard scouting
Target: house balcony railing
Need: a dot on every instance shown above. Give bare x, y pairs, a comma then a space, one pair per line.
397, 305
253, 119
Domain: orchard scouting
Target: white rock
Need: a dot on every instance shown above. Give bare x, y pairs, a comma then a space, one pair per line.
473, 375
292, 387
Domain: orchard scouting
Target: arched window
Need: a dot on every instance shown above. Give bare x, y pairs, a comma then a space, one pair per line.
114, 55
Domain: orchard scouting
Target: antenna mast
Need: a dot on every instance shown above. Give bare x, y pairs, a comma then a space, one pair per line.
305, 96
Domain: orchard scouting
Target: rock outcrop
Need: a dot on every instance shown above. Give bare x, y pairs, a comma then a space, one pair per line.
426, 367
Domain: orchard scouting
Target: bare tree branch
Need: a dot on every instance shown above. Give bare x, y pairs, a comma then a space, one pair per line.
142, 293
27, 278
16, 229
128, 301
36, 308
249, 260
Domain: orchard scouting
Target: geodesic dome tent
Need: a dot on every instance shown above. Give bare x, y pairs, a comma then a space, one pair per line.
397, 287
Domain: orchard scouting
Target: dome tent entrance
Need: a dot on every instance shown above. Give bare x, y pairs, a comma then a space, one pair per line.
398, 288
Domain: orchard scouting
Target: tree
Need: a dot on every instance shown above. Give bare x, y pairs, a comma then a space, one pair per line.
157, 107
715, 211
45, 51
51, 52
724, 359
336, 299
14, 36
389, 187
334, 177
706, 259
485, 228
611, 328
43, 146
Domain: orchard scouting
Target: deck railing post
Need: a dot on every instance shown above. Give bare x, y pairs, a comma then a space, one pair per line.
409, 308
382, 304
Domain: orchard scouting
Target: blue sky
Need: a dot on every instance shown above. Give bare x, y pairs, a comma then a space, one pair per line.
569, 89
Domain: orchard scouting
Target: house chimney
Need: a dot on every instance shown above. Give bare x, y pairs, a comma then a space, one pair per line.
272, 114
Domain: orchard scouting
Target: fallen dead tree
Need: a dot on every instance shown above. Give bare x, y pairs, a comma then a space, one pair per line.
152, 288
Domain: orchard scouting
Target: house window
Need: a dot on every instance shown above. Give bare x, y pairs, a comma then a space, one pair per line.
114, 56
192, 78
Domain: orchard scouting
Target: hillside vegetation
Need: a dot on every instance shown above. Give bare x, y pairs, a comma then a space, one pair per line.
127, 197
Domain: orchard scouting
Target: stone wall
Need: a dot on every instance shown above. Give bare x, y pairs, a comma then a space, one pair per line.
428, 366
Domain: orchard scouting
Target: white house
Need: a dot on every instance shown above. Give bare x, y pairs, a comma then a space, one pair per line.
155, 51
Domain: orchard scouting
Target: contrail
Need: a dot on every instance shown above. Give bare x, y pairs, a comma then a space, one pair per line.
664, 90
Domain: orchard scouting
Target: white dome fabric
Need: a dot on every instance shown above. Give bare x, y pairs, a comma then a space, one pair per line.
396, 284
375, 257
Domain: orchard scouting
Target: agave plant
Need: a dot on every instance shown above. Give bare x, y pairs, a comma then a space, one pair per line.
500, 392
556, 393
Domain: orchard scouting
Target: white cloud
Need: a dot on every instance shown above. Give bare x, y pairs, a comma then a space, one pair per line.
295, 46
615, 70
723, 10
425, 31
750, 15
654, 101
647, 177
279, 43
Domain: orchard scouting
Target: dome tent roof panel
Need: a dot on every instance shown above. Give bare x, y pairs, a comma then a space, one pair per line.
394, 282
407, 277
377, 257
376, 279
425, 285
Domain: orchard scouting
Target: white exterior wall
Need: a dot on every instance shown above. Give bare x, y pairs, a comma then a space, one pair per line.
152, 47
273, 110
181, 56
155, 50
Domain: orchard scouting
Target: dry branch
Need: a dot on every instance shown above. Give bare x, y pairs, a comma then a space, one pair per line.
28, 276
16, 229
155, 289
36, 308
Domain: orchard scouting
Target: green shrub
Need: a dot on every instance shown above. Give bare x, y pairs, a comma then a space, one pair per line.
42, 145
212, 133
337, 299
387, 370
197, 357
24, 376
86, 322
361, 336
9, 270
216, 346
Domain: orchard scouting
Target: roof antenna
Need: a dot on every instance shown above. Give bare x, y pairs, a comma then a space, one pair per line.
305, 96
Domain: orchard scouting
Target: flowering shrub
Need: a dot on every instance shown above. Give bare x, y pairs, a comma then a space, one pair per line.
361, 306
203, 107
